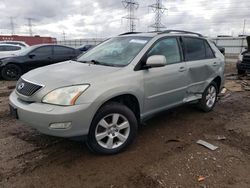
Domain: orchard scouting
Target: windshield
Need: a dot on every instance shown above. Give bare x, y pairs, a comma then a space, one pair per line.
119, 51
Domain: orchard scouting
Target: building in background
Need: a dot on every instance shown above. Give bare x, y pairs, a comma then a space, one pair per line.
30, 40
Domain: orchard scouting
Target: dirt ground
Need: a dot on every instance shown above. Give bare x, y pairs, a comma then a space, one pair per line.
165, 153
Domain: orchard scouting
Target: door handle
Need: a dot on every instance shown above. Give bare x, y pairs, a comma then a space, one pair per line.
182, 69
215, 64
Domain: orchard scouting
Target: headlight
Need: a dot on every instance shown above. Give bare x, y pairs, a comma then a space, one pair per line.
240, 57
66, 96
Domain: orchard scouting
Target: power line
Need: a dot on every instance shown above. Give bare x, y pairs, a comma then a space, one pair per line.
131, 6
159, 10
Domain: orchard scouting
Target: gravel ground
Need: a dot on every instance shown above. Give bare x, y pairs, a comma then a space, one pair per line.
165, 153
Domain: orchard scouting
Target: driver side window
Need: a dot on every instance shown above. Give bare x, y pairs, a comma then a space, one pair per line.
169, 48
43, 51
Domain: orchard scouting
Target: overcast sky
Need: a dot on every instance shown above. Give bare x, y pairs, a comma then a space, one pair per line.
103, 18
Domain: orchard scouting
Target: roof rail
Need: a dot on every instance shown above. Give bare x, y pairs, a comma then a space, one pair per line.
129, 33
181, 31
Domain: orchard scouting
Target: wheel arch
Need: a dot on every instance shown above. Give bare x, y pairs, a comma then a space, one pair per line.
218, 82
127, 99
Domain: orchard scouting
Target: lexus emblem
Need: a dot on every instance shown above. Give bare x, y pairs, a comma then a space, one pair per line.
20, 86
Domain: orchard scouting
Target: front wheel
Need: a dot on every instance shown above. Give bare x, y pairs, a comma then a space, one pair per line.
113, 128
11, 72
241, 72
209, 97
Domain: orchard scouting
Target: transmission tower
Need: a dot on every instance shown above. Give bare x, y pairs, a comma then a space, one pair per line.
131, 6
12, 26
158, 10
30, 26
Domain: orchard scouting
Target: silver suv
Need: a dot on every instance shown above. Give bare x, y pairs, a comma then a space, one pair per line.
108, 91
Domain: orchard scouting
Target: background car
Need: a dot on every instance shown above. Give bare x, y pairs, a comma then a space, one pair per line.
86, 47
243, 65
33, 57
8, 50
18, 43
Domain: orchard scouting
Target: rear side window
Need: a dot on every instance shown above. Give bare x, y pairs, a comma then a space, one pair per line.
9, 48
12, 48
168, 47
194, 49
59, 50
209, 51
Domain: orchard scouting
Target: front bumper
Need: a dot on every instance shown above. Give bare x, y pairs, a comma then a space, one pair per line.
243, 66
40, 116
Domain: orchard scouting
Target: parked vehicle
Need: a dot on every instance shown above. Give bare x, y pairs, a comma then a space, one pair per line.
33, 57
18, 43
104, 95
86, 47
243, 65
8, 50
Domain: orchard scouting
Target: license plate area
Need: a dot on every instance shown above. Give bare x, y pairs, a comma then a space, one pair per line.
13, 112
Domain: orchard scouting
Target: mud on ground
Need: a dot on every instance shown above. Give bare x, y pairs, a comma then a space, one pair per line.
165, 153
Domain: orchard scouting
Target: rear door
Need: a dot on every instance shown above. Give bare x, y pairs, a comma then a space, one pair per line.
61, 53
165, 87
201, 62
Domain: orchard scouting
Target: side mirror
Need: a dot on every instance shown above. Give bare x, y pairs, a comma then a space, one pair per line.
156, 61
31, 55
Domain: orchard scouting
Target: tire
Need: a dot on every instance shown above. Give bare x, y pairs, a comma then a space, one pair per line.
107, 124
11, 72
209, 97
241, 72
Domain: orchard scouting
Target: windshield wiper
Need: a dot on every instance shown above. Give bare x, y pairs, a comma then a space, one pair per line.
95, 62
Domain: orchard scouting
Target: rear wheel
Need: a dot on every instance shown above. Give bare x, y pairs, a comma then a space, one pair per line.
113, 128
209, 97
11, 72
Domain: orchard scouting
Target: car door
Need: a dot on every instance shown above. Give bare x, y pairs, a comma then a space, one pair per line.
61, 53
165, 87
39, 57
200, 62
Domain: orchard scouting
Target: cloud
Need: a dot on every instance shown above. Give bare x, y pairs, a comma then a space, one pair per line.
98, 18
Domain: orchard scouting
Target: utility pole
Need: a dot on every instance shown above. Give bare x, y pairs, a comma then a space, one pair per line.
30, 26
158, 10
131, 6
244, 27
12, 26
64, 36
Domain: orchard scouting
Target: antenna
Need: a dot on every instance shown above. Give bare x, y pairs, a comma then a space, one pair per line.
131, 5
30, 26
158, 10
12, 26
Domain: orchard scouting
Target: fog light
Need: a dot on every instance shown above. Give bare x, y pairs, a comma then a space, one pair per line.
65, 125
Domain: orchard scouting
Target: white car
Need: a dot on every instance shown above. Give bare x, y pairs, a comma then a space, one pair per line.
17, 43
8, 50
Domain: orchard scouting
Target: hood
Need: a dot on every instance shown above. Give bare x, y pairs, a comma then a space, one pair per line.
68, 73
248, 43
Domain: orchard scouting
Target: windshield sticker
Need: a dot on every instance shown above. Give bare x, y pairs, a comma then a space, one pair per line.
138, 41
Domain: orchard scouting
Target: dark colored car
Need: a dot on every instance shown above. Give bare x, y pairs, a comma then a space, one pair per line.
12, 68
243, 65
86, 48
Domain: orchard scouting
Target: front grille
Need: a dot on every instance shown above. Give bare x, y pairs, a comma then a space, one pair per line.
27, 88
246, 59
